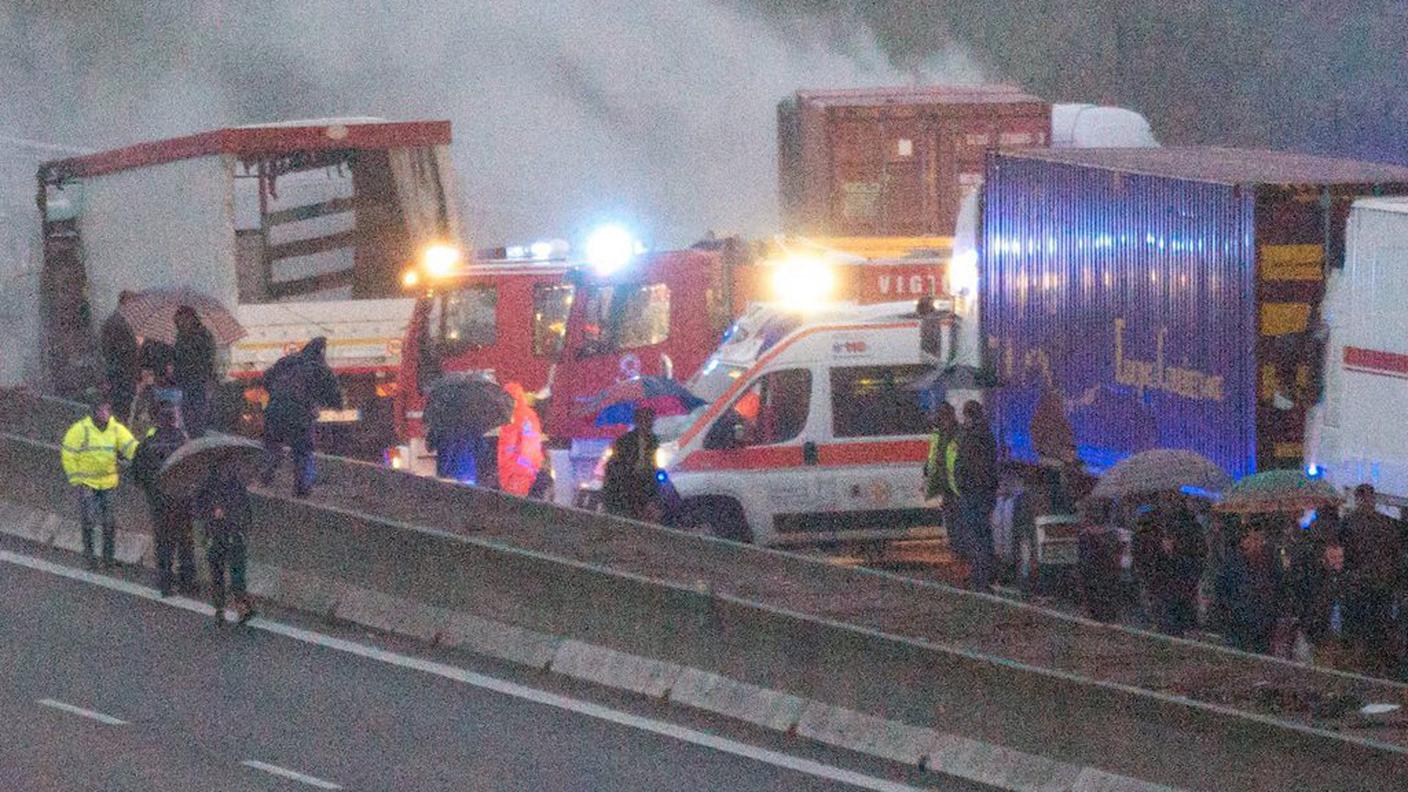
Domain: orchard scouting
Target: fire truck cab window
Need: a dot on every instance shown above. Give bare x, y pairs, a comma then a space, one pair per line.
645, 317
772, 410
551, 304
467, 319
625, 317
876, 401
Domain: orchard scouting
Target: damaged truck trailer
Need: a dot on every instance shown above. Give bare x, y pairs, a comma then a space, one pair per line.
300, 229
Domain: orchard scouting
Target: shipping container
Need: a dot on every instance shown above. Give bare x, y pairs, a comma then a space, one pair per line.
896, 161
1163, 294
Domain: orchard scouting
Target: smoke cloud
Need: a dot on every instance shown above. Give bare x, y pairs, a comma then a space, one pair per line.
657, 112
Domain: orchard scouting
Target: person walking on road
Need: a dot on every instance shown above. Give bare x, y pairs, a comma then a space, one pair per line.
193, 369
121, 359
90, 452
630, 488
299, 385
1374, 555
222, 504
171, 519
1249, 592
975, 479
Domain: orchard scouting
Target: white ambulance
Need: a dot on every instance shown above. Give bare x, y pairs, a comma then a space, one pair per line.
817, 433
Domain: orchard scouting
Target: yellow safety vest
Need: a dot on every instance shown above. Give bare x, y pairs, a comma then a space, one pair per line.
90, 454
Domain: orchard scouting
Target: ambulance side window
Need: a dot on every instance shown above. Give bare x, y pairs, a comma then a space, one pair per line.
772, 410
876, 401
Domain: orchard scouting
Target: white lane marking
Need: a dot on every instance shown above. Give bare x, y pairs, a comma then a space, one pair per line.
86, 713
292, 775
587, 708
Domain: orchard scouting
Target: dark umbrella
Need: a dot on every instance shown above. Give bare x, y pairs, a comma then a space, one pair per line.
152, 315
467, 400
1278, 491
189, 466
1161, 470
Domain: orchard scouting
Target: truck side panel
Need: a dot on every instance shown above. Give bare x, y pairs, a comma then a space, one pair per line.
1360, 436
131, 238
1132, 296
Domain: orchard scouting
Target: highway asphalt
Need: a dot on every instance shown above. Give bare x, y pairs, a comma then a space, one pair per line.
101, 688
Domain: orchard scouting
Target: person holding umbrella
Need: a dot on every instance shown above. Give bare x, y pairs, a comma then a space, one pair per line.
171, 518
90, 452
222, 504
299, 384
630, 488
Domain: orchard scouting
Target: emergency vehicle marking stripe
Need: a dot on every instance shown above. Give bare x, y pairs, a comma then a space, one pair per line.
727, 399
829, 455
1375, 361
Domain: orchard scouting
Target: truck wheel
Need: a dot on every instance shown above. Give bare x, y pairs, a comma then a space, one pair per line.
721, 517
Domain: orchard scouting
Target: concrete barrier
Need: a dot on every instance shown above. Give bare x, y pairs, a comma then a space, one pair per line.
1004, 711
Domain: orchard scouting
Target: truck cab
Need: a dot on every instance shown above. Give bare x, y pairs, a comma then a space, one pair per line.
820, 438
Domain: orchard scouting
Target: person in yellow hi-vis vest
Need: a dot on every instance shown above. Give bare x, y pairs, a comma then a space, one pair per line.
90, 451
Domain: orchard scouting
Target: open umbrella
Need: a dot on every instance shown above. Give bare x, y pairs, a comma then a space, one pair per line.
616, 404
1161, 470
1278, 491
467, 400
152, 315
187, 468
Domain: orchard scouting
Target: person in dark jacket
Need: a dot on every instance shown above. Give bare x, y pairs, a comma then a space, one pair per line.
1320, 591
171, 519
1100, 550
193, 369
222, 504
299, 385
975, 478
1249, 591
630, 488
121, 360
1169, 553
1374, 556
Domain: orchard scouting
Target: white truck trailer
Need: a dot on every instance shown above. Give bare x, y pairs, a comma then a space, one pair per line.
301, 229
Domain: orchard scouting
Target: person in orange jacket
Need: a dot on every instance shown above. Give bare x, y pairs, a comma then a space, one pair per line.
520, 445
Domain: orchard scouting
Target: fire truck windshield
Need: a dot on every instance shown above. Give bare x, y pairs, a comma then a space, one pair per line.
625, 317
464, 319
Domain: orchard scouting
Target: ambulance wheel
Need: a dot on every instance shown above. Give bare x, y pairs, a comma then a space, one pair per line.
721, 517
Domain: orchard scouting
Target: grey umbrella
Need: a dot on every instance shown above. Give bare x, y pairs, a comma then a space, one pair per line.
1161, 470
186, 469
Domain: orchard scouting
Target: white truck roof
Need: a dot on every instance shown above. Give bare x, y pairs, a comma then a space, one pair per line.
1399, 205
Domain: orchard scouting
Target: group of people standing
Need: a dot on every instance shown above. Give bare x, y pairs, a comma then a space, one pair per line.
93, 451
140, 374
1333, 592
167, 388
961, 474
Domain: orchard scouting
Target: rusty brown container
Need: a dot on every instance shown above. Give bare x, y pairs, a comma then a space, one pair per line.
895, 161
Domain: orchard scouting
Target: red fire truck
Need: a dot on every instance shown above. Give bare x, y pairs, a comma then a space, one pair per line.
567, 329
